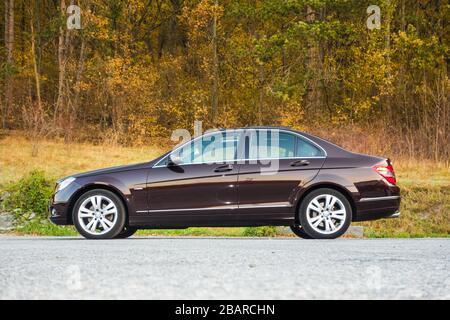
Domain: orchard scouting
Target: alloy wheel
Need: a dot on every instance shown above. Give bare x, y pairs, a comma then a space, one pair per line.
97, 214
326, 214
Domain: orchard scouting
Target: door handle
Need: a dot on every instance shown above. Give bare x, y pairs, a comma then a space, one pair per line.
299, 163
227, 167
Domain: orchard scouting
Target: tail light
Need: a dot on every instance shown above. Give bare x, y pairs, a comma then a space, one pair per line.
387, 172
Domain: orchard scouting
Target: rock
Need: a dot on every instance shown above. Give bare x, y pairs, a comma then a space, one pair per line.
4, 195
355, 232
6, 221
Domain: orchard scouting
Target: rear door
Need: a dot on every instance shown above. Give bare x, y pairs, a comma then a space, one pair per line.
278, 164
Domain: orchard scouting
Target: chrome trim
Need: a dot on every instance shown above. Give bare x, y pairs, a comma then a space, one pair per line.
237, 161
265, 205
156, 165
191, 209
379, 198
394, 215
229, 207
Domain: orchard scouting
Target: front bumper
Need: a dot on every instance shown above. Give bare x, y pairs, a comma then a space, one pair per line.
58, 213
59, 205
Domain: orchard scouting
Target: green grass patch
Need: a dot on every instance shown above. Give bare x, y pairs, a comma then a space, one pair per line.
266, 231
38, 228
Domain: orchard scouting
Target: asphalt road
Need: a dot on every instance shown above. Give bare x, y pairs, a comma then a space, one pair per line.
223, 268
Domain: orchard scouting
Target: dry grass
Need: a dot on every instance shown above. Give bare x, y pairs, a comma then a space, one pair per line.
422, 173
58, 159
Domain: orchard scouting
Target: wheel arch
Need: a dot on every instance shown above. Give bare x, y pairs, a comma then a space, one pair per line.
328, 185
94, 186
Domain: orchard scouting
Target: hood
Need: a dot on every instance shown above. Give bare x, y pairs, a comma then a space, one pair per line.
113, 169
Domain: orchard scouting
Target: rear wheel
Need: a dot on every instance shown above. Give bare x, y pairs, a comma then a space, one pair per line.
325, 214
126, 232
99, 214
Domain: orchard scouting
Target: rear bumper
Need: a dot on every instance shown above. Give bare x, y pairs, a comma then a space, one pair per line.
395, 215
377, 208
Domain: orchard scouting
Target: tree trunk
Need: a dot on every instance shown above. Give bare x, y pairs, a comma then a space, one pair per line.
6, 46
35, 67
313, 98
9, 44
387, 22
261, 93
80, 69
215, 83
61, 64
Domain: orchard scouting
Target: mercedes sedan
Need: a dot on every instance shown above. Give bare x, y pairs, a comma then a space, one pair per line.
254, 176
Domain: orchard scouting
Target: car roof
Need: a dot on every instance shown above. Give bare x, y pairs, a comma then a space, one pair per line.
258, 127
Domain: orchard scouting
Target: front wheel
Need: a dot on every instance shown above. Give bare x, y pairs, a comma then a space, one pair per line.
99, 214
325, 214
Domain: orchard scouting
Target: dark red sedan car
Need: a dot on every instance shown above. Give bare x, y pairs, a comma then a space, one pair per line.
253, 176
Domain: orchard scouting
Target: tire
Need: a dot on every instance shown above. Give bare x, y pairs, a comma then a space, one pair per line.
99, 214
299, 232
325, 214
126, 232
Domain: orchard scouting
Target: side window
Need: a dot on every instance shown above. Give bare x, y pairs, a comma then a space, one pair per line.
266, 144
219, 148
307, 149
286, 145
216, 148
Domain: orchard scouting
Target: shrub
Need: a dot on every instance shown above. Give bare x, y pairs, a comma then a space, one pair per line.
266, 231
29, 195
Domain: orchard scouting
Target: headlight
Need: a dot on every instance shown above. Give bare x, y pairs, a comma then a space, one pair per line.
63, 184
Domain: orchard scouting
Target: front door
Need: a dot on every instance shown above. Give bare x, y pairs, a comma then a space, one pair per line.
200, 188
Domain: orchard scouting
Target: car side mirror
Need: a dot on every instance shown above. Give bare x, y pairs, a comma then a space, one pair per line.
174, 160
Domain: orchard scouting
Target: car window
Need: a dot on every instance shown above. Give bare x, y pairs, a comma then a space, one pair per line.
307, 149
213, 148
266, 144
